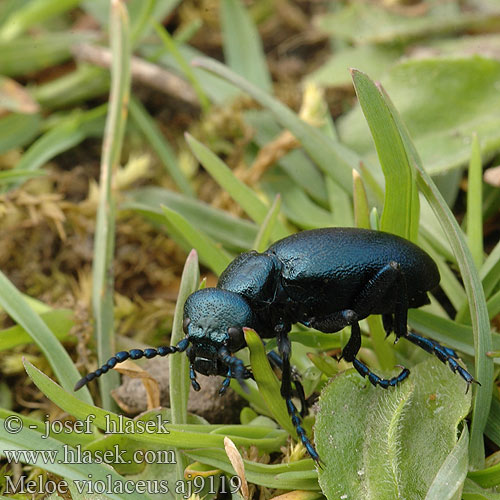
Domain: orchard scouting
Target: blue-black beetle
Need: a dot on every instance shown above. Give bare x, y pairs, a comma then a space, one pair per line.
325, 279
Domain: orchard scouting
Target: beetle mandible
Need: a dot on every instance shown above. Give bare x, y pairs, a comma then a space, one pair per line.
325, 279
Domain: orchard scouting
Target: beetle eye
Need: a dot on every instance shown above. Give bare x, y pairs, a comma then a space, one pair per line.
185, 325
234, 331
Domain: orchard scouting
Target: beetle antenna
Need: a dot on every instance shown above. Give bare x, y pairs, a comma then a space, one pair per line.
121, 356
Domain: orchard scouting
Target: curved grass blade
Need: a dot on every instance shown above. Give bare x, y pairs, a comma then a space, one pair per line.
242, 46
139, 114
213, 256
269, 386
262, 240
401, 205
102, 274
179, 366
333, 158
240, 192
473, 288
16, 307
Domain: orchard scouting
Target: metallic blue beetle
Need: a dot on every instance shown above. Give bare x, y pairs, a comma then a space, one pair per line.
325, 279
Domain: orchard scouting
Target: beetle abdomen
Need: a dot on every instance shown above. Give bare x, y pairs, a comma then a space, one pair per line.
336, 264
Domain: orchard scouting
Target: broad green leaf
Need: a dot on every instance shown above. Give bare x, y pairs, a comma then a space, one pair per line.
365, 23
374, 60
442, 101
388, 444
448, 483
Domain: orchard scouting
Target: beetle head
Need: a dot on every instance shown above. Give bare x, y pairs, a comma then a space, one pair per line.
213, 322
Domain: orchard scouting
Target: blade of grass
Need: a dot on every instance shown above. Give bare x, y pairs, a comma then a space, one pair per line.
332, 157
473, 288
385, 353
16, 307
34, 12
242, 45
28, 440
179, 435
269, 386
211, 255
146, 124
401, 205
179, 365
262, 239
235, 233
240, 192
171, 46
474, 214
102, 275
62, 137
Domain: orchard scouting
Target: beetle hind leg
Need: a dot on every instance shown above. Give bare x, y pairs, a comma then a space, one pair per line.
444, 354
363, 370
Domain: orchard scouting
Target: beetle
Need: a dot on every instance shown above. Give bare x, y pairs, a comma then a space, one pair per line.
325, 279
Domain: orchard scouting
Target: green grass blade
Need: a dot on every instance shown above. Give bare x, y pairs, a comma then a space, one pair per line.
59, 322
171, 46
473, 288
179, 365
62, 137
232, 232
30, 440
240, 192
148, 127
474, 214
263, 236
243, 51
16, 307
332, 157
211, 255
34, 12
401, 206
102, 276
269, 386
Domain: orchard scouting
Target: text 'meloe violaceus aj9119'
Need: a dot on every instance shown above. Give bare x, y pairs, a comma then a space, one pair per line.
325, 279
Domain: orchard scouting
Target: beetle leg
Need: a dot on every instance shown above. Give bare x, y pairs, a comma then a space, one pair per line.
444, 354
133, 354
284, 347
277, 362
192, 376
362, 369
236, 366
226, 382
